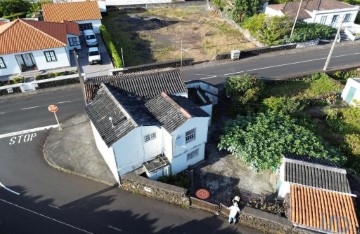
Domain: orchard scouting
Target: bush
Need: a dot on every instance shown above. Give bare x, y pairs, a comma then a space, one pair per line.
111, 47
285, 105
219, 4
310, 31
261, 140
18, 79
320, 84
180, 180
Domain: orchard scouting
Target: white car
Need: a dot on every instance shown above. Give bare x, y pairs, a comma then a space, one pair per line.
90, 37
94, 55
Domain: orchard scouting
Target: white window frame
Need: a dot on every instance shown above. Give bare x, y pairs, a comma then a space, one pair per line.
190, 135
323, 19
73, 41
192, 154
2, 63
150, 137
50, 56
347, 17
334, 19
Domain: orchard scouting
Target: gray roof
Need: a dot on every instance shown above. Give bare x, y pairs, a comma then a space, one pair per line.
172, 111
126, 113
147, 84
316, 175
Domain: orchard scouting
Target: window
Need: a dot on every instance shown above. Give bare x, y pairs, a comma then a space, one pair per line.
192, 154
334, 19
190, 135
85, 26
347, 18
73, 41
150, 137
323, 19
2, 63
50, 56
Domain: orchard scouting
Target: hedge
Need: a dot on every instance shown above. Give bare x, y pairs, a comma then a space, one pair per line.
110, 47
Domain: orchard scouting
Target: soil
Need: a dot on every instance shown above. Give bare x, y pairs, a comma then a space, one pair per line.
156, 35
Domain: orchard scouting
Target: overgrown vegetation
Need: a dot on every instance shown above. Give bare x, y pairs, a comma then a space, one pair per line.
244, 9
54, 74
111, 47
12, 9
180, 179
310, 31
260, 140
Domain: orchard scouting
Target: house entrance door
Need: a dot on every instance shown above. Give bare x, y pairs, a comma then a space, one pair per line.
26, 61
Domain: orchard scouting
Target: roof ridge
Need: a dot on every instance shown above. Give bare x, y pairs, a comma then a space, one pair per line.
173, 103
9, 25
25, 22
316, 165
118, 104
322, 189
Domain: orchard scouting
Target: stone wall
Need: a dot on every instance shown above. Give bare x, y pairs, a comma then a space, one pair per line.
155, 189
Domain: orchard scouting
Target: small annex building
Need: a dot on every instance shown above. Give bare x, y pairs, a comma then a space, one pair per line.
351, 92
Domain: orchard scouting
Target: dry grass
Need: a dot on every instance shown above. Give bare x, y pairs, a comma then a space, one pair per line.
203, 34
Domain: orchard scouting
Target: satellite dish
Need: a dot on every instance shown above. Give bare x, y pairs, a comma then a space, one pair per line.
180, 141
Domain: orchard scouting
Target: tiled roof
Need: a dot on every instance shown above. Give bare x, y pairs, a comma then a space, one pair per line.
322, 211
316, 175
320, 161
142, 84
21, 36
172, 111
72, 28
115, 114
290, 8
71, 11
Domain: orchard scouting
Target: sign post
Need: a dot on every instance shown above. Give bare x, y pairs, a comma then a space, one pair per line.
54, 109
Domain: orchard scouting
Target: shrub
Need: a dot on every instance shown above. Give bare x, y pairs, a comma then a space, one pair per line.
286, 105
180, 179
320, 84
310, 31
111, 47
18, 79
219, 4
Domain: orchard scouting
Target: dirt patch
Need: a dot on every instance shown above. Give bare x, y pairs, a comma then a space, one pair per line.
158, 34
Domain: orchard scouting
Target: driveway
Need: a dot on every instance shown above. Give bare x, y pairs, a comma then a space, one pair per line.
98, 69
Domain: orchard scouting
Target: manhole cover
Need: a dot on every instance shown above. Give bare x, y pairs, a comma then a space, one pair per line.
202, 194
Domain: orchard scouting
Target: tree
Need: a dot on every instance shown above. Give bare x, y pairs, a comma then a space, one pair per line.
243, 88
261, 140
245, 8
11, 7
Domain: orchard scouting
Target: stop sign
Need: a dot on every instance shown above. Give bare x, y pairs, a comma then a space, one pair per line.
53, 108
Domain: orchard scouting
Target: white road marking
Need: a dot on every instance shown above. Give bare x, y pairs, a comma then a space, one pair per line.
27, 131
54, 207
63, 102
2, 113
11, 191
117, 229
47, 217
28, 108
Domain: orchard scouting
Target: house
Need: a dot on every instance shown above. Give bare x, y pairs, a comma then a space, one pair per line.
351, 92
86, 14
328, 12
36, 45
318, 193
145, 122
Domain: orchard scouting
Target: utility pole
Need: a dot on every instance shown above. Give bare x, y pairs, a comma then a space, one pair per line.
80, 76
296, 17
122, 57
333, 46
181, 54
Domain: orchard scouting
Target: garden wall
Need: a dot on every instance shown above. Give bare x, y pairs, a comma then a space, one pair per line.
155, 189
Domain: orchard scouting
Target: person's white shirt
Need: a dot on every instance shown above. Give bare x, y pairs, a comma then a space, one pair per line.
234, 210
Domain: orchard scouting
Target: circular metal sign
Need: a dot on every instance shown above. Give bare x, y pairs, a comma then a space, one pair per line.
52, 108
202, 194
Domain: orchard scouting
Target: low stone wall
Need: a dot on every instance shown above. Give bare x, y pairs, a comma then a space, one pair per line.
155, 189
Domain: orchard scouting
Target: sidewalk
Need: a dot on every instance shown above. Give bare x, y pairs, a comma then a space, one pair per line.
73, 150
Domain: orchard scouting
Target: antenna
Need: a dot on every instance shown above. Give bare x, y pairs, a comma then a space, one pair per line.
112, 124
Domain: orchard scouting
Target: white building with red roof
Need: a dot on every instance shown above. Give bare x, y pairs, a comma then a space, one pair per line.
36, 45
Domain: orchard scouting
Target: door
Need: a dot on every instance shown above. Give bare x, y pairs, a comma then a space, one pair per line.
25, 61
85, 26
350, 94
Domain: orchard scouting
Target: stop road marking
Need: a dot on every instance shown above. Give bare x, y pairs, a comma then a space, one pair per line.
22, 138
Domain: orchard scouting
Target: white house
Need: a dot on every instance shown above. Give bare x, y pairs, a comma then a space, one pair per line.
328, 12
86, 14
351, 92
36, 45
138, 126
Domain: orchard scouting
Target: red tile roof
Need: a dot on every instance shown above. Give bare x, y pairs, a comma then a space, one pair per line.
21, 36
322, 210
290, 8
72, 28
71, 11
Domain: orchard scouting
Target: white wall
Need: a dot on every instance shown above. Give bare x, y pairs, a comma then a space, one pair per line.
135, 2
352, 83
106, 152
283, 190
131, 151
330, 13
12, 66
95, 23
69, 47
180, 162
208, 109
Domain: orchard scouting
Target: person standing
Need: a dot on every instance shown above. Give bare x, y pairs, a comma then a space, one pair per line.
234, 211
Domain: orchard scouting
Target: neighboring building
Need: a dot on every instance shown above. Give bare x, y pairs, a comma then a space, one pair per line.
164, 133
328, 12
318, 193
351, 92
36, 45
86, 14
